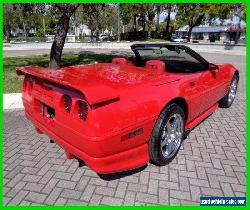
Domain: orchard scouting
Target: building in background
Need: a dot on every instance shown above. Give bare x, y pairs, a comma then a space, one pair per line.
211, 33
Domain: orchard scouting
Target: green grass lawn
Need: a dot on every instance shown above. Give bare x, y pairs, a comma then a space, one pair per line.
12, 83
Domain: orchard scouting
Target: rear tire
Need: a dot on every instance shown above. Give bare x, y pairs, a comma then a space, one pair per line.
167, 135
228, 99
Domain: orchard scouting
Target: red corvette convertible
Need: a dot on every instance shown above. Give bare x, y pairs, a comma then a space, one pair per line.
117, 116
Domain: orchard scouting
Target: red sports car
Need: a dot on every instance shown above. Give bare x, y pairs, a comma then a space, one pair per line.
117, 116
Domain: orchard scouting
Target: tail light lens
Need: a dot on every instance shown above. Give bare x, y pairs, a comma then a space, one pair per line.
82, 110
24, 85
67, 102
28, 85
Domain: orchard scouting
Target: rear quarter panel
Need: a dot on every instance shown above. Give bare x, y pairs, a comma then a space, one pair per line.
137, 105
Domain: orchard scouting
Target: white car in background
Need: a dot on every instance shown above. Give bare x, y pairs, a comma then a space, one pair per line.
178, 39
103, 37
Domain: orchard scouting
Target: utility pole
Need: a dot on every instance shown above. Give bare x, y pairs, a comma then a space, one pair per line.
118, 22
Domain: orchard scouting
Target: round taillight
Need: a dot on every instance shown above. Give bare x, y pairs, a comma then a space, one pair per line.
82, 110
67, 102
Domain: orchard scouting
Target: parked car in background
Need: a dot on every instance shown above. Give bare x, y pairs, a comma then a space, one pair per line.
242, 40
177, 39
104, 37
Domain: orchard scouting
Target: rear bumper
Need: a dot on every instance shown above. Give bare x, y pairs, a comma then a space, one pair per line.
122, 161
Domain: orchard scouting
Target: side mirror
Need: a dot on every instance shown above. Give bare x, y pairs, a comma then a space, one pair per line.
213, 67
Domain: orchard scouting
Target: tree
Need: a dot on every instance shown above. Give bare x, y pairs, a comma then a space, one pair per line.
65, 11
45, 19
217, 11
146, 14
24, 16
239, 11
140, 14
91, 14
18, 15
150, 20
7, 20
191, 15
129, 12
158, 10
168, 8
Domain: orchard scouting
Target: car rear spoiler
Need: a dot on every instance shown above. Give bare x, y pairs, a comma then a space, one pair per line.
94, 92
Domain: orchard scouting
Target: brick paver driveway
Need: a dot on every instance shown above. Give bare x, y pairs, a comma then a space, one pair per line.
211, 162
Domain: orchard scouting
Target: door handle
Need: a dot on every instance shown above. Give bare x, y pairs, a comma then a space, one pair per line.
192, 83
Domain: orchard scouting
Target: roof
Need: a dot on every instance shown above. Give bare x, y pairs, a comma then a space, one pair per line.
206, 29
210, 29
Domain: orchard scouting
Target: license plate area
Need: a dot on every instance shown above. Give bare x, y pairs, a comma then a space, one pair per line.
47, 111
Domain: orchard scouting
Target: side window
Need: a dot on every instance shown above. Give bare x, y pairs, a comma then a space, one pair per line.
182, 62
186, 57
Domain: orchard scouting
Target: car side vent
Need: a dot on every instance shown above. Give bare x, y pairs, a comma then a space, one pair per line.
82, 108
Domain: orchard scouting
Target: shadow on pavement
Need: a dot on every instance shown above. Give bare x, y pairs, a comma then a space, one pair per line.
114, 176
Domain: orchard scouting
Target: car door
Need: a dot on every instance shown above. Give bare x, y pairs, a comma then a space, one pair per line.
196, 90
204, 89
204, 84
211, 85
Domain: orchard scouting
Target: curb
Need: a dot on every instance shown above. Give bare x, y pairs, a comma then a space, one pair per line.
12, 101
238, 49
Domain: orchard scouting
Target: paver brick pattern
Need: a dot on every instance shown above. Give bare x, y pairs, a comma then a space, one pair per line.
211, 162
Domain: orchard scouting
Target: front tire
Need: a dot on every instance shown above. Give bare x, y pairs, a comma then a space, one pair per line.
228, 99
167, 135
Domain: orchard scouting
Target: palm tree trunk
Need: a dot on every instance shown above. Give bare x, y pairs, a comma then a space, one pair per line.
158, 18
24, 30
237, 33
7, 32
91, 35
134, 24
189, 33
168, 23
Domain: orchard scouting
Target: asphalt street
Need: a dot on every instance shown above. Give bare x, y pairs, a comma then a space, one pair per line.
211, 162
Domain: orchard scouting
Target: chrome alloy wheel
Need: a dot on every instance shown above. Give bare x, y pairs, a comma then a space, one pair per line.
172, 136
232, 90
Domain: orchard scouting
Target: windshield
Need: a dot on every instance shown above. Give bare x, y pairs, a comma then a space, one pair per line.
177, 58
165, 53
